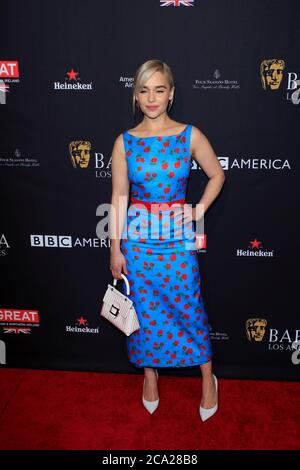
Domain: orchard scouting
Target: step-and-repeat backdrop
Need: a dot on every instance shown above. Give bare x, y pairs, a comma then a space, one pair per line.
66, 77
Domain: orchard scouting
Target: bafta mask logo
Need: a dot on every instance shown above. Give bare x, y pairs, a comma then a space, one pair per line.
80, 153
271, 73
256, 328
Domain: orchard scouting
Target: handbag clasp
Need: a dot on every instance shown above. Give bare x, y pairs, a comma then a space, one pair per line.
114, 310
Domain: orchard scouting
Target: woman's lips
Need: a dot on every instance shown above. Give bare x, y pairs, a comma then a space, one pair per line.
151, 107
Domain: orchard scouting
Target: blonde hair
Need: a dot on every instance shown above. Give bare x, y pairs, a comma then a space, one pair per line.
144, 72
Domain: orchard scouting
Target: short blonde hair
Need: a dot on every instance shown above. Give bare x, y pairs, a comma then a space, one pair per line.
145, 71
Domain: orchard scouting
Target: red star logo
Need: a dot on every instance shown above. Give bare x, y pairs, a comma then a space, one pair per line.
72, 75
255, 244
81, 321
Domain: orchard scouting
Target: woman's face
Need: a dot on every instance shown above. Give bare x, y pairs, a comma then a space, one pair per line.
153, 98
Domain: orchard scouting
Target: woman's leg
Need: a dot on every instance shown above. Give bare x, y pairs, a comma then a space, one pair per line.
150, 389
209, 393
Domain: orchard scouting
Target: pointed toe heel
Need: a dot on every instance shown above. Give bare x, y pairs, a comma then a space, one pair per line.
206, 413
150, 406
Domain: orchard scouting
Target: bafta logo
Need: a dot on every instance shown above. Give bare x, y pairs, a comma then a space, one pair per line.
271, 73
80, 153
256, 328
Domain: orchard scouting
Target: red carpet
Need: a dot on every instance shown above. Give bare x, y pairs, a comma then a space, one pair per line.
83, 410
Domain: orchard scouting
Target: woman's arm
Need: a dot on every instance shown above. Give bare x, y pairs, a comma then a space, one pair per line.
119, 204
203, 153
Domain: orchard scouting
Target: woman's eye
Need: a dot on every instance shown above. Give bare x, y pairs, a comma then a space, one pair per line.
158, 91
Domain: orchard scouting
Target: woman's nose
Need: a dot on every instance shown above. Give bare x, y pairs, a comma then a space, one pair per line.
151, 96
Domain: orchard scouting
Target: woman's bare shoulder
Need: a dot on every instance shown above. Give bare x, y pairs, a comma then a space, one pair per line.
196, 131
198, 139
119, 145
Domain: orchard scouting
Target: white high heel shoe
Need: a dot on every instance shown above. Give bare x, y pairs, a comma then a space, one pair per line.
206, 413
150, 405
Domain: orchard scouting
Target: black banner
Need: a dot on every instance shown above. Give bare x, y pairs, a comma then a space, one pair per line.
66, 76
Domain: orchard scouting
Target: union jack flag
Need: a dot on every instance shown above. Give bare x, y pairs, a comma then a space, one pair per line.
26, 331
176, 3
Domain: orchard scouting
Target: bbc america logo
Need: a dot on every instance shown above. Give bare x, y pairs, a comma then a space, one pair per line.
64, 241
51, 241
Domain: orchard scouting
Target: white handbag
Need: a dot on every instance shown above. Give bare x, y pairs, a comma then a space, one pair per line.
119, 309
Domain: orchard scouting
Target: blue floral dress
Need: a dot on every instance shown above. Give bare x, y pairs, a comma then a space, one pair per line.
161, 257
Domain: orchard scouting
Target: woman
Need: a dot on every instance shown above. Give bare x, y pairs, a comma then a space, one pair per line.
154, 159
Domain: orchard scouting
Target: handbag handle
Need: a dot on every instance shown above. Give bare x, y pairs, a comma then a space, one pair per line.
126, 282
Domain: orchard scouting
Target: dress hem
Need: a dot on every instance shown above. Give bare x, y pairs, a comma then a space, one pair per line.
168, 366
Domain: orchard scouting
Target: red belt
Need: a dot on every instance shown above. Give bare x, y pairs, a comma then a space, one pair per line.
157, 206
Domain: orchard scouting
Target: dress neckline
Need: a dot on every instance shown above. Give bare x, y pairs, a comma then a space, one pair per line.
159, 136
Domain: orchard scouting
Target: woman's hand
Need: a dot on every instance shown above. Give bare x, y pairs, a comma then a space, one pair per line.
187, 214
197, 213
117, 263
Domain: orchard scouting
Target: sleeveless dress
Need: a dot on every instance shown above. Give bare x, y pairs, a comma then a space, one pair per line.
161, 257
